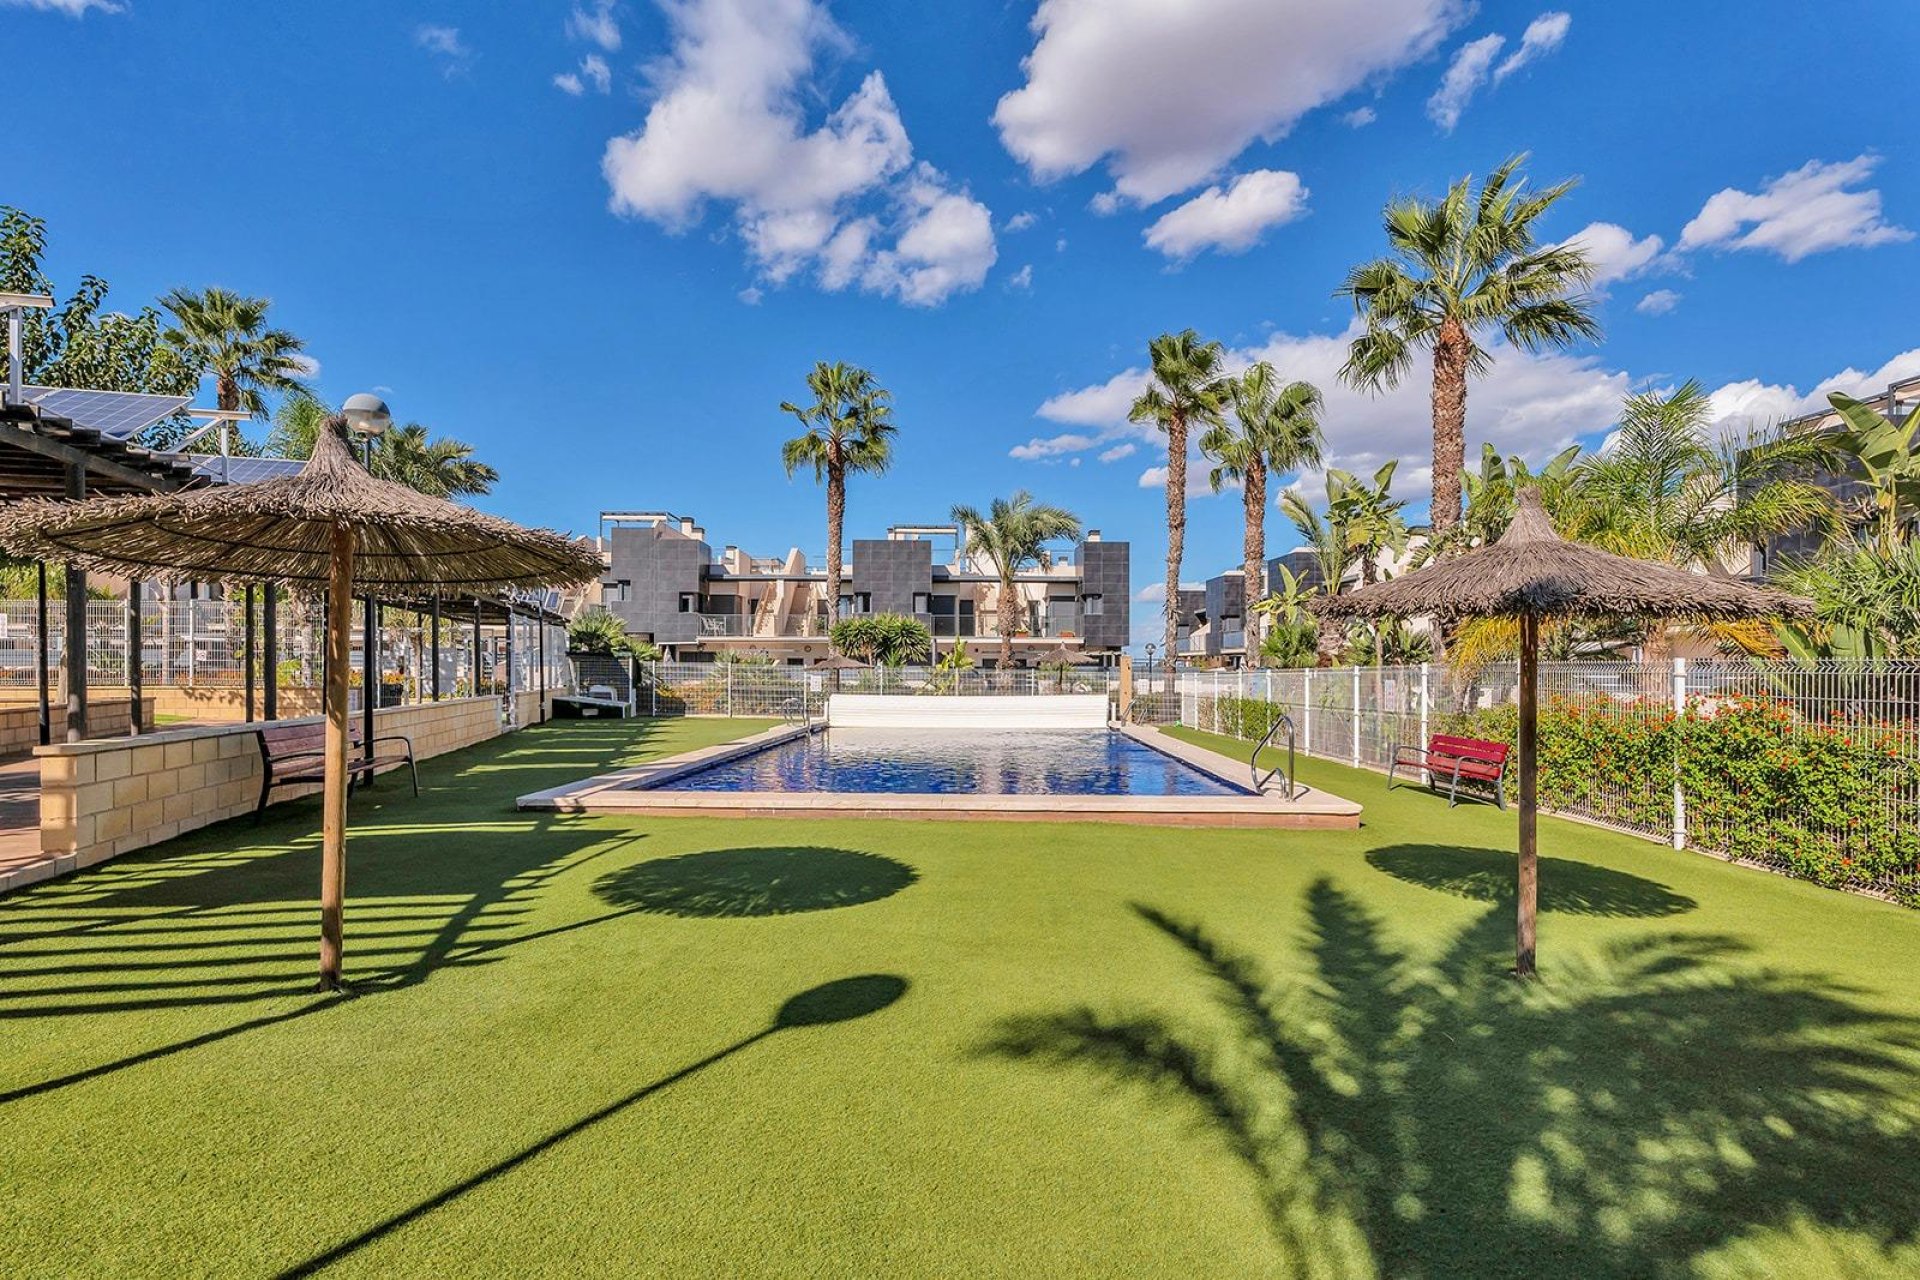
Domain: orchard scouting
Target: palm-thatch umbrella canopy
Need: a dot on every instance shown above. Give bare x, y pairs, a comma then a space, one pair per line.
331, 523
841, 662
1532, 574
1061, 656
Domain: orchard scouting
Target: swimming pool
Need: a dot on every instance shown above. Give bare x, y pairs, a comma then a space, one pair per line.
1096, 762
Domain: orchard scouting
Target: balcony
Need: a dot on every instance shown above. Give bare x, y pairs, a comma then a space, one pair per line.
721, 626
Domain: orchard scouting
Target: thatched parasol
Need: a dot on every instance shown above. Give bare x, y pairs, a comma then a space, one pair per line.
1061, 656
1531, 574
331, 523
840, 662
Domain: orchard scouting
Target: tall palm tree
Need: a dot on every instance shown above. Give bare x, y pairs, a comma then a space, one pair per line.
1186, 392
1011, 534
849, 431
1275, 429
1461, 267
227, 334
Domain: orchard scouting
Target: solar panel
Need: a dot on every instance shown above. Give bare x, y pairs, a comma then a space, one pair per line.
114, 414
243, 470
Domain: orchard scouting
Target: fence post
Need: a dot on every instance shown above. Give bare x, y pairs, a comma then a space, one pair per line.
1356, 717
1425, 671
729, 688
1306, 713
1679, 790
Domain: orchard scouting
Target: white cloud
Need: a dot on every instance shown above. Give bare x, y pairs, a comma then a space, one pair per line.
1021, 221
845, 200
1810, 210
1021, 279
1465, 74
751, 296
595, 24
1543, 35
1657, 303
1197, 486
305, 367
594, 73
1041, 448
71, 8
1103, 404
1615, 254
1359, 117
1230, 219
1125, 449
1168, 94
445, 44
1751, 402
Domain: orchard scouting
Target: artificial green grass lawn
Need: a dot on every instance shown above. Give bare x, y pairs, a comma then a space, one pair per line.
1069, 1049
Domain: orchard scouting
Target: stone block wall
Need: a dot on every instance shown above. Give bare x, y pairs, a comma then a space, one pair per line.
99, 799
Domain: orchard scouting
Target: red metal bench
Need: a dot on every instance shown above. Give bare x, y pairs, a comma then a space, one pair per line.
1449, 761
292, 754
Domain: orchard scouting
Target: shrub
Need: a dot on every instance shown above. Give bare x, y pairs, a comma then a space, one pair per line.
888, 639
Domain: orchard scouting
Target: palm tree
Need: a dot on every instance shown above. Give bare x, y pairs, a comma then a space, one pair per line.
437, 465
1369, 516
1666, 489
1186, 392
441, 466
1460, 267
1012, 534
1275, 428
849, 431
227, 335
1332, 554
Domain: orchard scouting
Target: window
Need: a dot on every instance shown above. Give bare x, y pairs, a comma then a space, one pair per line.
689, 602
922, 602
615, 592
1094, 605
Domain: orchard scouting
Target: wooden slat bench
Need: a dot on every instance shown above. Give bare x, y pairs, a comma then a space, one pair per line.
295, 754
1449, 761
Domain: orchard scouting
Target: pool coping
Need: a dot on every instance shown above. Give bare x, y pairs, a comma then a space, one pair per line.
630, 791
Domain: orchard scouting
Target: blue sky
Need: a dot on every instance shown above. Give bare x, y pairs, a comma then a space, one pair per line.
603, 242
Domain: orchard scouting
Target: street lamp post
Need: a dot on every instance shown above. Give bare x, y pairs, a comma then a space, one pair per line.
368, 418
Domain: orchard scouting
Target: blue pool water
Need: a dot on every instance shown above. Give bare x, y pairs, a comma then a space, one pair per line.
1092, 762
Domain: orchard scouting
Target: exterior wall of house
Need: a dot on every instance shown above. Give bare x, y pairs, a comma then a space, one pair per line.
658, 563
1105, 571
1226, 613
892, 571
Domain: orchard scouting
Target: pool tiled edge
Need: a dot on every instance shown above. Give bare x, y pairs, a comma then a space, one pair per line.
628, 791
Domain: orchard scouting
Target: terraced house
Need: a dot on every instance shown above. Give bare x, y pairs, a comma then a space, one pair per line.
667, 585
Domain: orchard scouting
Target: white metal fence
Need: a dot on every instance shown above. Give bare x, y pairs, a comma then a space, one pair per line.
1812, 769
202, 644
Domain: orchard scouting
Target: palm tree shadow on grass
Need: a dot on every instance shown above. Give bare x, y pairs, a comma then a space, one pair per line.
1568, 887
1409, 1118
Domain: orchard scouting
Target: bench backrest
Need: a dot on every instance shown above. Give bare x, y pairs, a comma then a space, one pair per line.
1442, 744
278, 740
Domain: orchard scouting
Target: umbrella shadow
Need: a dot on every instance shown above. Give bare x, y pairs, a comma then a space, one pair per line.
842, 1000
770, 881
1404, 1116
1566, 886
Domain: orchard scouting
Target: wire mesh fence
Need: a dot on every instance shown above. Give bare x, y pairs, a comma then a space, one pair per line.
202, 644
1811, 769
761, 690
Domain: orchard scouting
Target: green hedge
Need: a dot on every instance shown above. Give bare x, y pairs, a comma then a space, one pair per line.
1834, 801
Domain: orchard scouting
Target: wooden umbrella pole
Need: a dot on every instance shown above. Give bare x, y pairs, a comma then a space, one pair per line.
1529, 882
333, 855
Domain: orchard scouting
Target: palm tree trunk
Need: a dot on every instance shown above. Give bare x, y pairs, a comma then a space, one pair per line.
1176, 529
836, 517
1254, 496
1009, 598
1449, 423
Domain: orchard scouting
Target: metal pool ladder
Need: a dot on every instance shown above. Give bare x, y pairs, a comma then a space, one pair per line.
1253, 761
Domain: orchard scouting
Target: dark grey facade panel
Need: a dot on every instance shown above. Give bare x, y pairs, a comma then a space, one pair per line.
658, 568
1105, 571
891, 572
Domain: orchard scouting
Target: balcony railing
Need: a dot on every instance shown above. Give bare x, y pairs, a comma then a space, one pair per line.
742, 625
